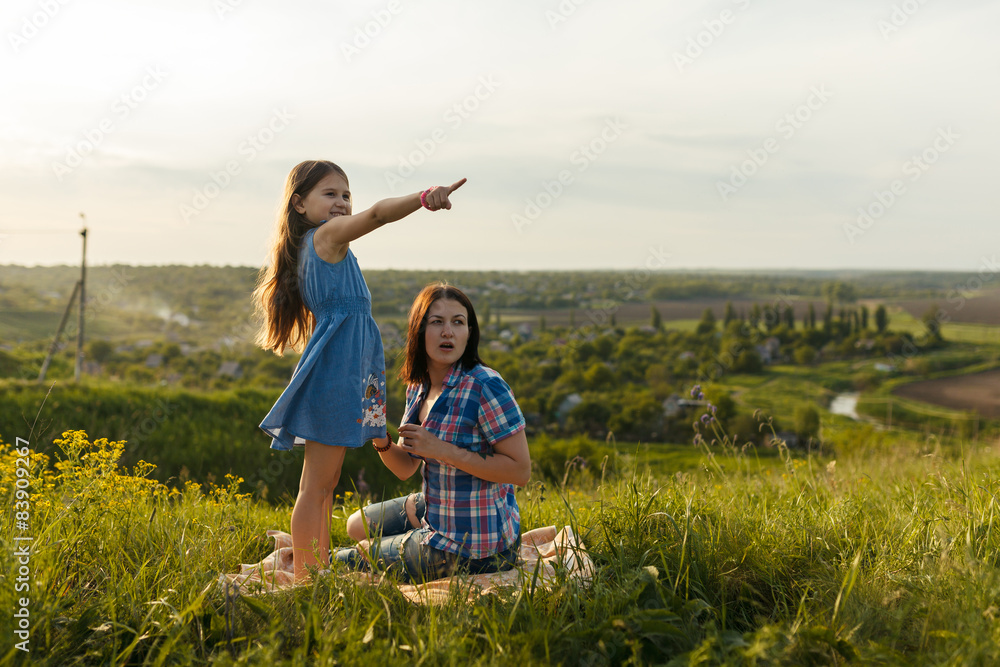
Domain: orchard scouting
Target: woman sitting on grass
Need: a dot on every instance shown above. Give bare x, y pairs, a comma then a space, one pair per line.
465, 431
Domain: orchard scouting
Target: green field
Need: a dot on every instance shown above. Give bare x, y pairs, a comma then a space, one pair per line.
881, 548
880, 557
876, 542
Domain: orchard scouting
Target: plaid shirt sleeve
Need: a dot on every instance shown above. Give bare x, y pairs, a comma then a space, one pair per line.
499, 415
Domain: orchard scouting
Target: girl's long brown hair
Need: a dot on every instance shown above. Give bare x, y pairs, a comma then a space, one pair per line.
414, 369
287, 321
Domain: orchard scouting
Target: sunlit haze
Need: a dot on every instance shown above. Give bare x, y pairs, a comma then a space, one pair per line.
732, 134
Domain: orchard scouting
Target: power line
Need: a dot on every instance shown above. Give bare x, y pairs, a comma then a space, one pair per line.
39, 231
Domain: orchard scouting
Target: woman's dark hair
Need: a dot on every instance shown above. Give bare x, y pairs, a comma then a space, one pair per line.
279, 304
414, 368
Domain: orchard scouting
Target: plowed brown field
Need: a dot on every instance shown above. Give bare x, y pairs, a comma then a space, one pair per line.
979, 392
984, 309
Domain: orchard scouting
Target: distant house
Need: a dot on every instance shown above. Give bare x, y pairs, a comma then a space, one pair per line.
773, 345
769, 351
672, 406
866, 344
686, 403
499, 346
567, 406
524, 330
154, 361
231, 369
884, 368
684, 356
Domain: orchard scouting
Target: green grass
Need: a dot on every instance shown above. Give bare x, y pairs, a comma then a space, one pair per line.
884, 550
900, 320
971, 333
684, 326
884, 557
28, 325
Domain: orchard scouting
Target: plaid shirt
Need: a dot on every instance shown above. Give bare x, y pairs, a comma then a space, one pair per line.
468, 515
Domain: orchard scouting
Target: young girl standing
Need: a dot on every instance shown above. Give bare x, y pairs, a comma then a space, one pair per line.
312, 293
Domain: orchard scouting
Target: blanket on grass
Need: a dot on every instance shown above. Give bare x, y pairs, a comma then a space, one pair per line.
545, 552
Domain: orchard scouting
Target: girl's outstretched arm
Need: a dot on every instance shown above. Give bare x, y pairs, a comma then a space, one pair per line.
341, 230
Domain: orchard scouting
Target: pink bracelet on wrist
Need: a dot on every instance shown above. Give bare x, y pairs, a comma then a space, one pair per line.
423, 197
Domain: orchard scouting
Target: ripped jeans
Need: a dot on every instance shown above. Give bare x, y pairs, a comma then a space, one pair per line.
395, 547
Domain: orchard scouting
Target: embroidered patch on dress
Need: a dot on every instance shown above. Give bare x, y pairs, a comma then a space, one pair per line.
373, 403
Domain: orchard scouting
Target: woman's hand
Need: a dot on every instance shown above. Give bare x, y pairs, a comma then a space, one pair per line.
510, 462
417, 440
437, 198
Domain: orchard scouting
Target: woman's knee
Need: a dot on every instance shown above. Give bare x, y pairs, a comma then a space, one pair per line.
356, 526
319, 490
411, 510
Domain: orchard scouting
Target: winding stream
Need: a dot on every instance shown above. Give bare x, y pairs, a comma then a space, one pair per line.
846, 405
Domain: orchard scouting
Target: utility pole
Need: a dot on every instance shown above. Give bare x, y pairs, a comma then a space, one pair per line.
62, 325
78, 290
83, 301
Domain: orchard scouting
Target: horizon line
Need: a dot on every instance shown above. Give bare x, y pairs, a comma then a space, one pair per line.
729, 271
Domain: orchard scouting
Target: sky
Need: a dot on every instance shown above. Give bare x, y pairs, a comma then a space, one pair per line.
639, 134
